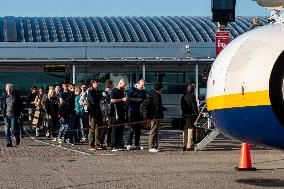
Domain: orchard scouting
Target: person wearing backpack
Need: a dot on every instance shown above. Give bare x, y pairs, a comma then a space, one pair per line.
154, 112
105, 104
136, 96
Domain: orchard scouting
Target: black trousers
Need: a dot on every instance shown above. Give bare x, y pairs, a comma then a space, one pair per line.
117, 134
106, 132
134, 129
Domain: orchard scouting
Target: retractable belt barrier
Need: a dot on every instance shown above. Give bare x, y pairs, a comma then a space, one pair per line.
135, 123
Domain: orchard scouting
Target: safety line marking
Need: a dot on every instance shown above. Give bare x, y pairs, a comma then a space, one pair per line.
58, 146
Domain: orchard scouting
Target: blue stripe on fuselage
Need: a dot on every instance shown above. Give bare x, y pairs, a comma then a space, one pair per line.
255, 125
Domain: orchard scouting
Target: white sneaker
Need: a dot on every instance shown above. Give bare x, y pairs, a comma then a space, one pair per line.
114, 150
47, 134
60, 141
128, 147
84, 139
54, 139
37, 132
154, 150
139, 148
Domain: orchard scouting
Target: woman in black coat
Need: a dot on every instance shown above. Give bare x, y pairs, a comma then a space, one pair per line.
52, 113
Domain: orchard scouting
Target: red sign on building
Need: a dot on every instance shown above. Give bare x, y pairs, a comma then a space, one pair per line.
222, 40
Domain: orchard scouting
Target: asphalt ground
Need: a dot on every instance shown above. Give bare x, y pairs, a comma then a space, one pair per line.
41, 163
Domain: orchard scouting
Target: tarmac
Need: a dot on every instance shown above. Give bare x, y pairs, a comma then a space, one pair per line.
41, 163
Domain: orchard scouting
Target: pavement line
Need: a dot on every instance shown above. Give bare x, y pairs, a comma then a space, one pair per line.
58, 146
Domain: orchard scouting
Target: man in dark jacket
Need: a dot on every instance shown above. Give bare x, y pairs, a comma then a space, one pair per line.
31, 103
11, 107
156, 113
136, 96
95, 114
189, 113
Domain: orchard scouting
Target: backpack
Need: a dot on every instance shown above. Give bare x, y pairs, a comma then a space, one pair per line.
146, 107
105, 104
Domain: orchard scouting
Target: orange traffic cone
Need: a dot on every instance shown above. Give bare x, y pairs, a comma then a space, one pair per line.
245, 161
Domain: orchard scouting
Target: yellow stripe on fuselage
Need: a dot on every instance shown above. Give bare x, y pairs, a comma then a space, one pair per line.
259, 98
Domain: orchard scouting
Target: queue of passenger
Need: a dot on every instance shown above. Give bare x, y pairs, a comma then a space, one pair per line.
74, 114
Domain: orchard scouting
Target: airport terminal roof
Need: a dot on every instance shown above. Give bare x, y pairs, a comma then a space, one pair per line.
116, 29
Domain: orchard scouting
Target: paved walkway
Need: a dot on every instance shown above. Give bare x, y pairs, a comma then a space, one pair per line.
35, 164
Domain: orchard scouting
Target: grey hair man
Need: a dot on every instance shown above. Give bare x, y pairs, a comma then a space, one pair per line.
12, 107
136, 96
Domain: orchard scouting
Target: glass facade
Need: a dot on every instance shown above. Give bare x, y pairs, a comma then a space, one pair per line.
174, 81
25, 80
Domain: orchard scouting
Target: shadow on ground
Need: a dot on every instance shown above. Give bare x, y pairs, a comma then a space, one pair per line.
262, 182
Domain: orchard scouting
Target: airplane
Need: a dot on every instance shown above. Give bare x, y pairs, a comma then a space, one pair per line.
245, 84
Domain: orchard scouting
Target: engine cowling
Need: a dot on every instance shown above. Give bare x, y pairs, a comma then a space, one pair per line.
245, 87
272, 4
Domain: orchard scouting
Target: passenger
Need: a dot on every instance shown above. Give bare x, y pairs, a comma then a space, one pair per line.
95, 114
11, 107
39, 117
105, 105
157, 112
52, 114
189, 114
73, 134
79, 112
136, 96
63, 96
46, 122
57, 90
84, 120
119, 114
30, 104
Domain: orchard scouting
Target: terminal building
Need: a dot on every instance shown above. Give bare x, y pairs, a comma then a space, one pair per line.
173, 50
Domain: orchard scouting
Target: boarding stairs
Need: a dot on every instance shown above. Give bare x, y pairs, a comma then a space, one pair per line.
204, 121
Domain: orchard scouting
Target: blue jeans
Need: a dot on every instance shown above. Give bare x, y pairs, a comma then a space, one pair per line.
83, 125
63, 131
11, 127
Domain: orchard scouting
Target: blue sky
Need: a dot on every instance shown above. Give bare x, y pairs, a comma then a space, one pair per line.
120, 8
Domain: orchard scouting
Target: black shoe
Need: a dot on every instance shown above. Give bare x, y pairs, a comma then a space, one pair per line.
190, 149
17, 142
9, 145
184, 148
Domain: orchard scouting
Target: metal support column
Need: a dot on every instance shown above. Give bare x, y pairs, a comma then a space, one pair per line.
144, 71
196, 83
74, 73
137, 73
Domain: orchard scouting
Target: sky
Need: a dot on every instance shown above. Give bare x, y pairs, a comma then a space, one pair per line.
121, 8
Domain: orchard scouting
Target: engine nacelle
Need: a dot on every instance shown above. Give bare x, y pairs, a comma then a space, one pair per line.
245, 87
271, 4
